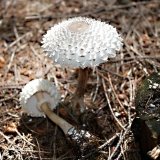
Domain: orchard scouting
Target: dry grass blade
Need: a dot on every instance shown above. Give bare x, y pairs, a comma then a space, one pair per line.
122, 136
110, 107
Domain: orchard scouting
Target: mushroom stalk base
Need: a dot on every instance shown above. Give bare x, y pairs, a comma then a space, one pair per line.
78, 98
64, 125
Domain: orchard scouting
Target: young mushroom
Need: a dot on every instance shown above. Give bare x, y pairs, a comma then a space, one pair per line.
81, 43
39, 97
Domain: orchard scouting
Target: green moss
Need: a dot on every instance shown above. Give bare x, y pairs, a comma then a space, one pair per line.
147, 100
147, 103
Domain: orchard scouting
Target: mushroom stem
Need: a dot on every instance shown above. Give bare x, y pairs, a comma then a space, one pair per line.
82, 82
64, 125
78, 98
68, 129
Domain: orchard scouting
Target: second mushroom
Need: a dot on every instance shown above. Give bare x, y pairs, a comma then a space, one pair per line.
39, 97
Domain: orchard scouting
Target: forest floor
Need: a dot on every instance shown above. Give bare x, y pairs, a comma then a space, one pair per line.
110, 91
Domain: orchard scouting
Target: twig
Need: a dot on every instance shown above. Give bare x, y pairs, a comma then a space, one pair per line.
33, 151
97, 10
2, 134
110, 82
132, 95
54, 140
134, 50
21, 136
36, 53
134, 58
16, 73
8, 98
108, 141
18, 39
122, 153
9, 147
10, 63
97, 87
116, 74
16, 35
119, 156
120, 142
39, 150
110, 107
133, 4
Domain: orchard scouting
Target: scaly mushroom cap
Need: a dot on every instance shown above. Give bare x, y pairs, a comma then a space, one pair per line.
81, 42
29, 101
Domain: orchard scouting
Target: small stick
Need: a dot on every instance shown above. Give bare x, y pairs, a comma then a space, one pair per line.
120, 142
2, 134
116, 119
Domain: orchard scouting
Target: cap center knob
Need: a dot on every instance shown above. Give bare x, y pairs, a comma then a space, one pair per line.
78, 26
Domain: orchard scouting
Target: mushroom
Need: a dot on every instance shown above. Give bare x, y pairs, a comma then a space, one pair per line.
81, 43
39, 97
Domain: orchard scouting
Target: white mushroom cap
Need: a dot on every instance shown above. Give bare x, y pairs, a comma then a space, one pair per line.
29, 101
81, 42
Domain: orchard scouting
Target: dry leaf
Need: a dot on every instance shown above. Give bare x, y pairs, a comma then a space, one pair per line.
2, 62
10, 128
